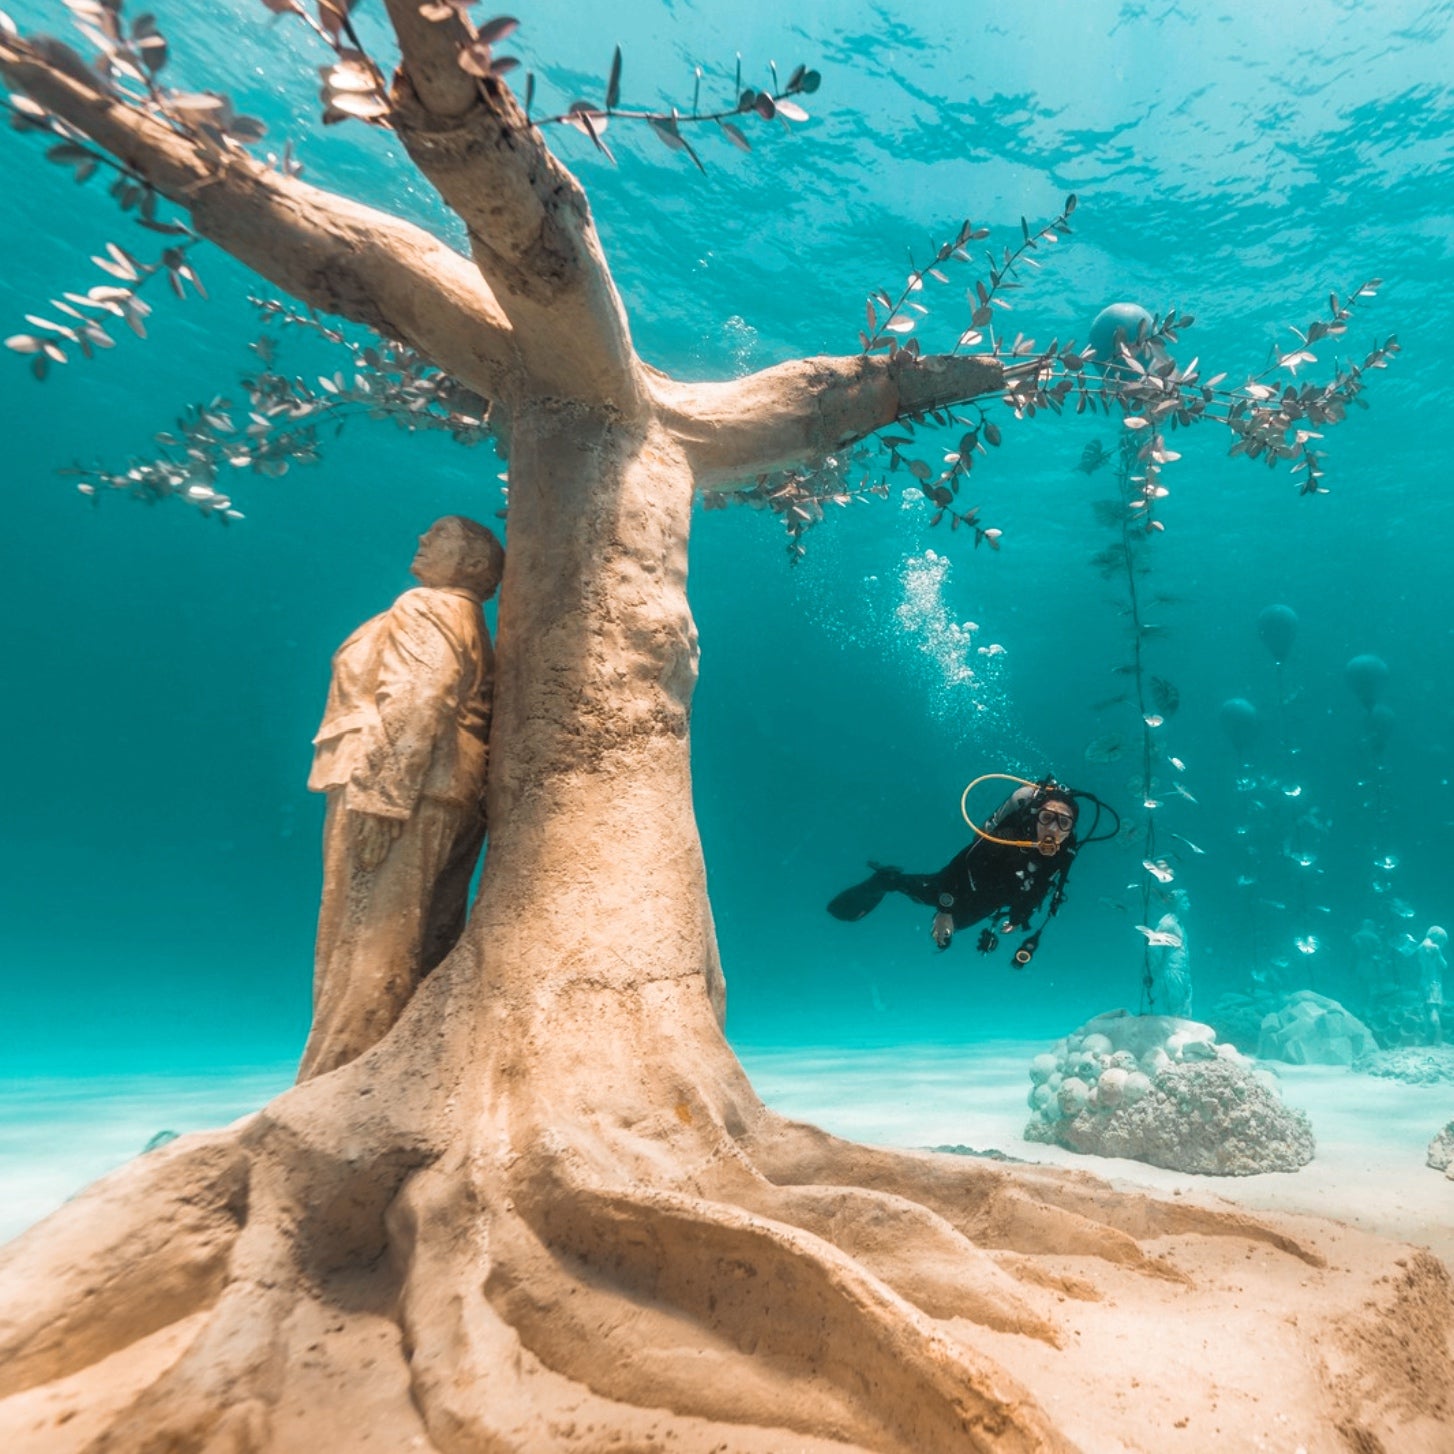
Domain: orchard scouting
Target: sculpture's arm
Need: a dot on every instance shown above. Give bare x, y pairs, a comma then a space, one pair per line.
418, 684
801, 411
324, 250
529, 222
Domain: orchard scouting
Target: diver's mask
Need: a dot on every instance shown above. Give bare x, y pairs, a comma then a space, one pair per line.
1047, 820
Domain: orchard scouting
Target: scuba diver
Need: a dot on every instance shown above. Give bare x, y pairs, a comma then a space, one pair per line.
1021, 856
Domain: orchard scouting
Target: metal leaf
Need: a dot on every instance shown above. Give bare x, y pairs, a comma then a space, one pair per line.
667, 131
364, 107
735, 136
497, 29
613, 86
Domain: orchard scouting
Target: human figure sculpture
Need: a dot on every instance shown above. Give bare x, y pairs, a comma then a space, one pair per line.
402, 754
1370, 962
1432, 966
1171, 963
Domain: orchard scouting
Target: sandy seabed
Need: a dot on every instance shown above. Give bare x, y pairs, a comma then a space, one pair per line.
58, 1135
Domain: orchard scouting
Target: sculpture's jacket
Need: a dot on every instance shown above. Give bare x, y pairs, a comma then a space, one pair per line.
408, 714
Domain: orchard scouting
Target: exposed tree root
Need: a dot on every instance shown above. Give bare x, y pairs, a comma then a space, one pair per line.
507, 1346
878, 1369
145, 1247
914, 1251
1020, 1209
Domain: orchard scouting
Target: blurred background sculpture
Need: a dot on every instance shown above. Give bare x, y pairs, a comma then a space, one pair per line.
1432, 966
1171, 960
402, 754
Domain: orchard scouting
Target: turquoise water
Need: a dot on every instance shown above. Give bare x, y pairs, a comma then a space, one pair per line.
160, 871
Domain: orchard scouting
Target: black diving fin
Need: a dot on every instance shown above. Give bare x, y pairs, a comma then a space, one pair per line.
865, 897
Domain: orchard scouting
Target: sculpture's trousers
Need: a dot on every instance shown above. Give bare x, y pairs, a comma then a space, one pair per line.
381, 931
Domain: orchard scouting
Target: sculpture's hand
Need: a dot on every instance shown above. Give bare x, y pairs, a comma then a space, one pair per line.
374, 835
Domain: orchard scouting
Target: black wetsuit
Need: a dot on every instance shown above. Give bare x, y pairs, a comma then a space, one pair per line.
984, 880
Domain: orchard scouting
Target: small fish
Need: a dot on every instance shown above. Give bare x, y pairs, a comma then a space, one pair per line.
1308, 944
1177, 763
1160, 937
1245, 881
1195, 849
1159, 869
1108, 703
1272, 903
1177, 788
1154, 719
1115, 903
1092, 457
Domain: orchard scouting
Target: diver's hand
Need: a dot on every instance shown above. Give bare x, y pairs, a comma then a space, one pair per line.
374, 835
942, 929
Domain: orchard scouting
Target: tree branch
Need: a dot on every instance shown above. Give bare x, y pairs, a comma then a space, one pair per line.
325, 250
800, 411
529, 222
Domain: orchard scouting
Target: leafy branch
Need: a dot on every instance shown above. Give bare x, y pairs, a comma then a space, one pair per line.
355, 86
1152, 392
132, 193
984, 297
799, 497
119, 300
775, 103
134, 57
283, 416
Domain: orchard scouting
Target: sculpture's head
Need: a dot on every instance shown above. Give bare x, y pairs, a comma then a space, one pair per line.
458, 551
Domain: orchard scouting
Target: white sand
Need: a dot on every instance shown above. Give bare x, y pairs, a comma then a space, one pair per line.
59, 1135
56, 1136
1372, 1134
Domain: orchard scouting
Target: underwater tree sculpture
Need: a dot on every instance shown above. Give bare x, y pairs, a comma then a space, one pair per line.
547, 1211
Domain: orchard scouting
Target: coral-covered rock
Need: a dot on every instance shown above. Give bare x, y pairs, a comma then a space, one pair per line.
1212, 1116
1195, 1105
1441, 1151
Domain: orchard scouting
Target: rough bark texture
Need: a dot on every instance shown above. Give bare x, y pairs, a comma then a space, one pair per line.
548, 1213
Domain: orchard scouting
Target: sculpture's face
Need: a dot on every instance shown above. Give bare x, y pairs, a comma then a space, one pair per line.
437, 561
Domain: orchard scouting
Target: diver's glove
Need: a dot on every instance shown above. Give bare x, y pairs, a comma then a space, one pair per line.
942, 929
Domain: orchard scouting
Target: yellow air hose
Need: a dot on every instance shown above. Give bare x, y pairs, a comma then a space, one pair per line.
979, 832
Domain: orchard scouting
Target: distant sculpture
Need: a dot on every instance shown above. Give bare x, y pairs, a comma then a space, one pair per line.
1432, 966
1171, 985
402, 755
1370, 961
